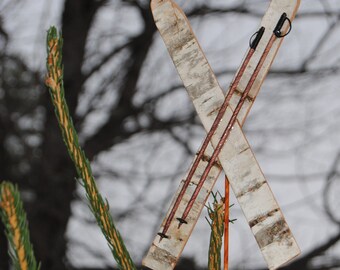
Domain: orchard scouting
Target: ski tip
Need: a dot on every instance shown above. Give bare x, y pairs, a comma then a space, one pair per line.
156, 3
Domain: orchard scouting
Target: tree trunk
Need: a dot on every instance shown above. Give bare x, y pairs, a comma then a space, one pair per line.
55, 185
5, 174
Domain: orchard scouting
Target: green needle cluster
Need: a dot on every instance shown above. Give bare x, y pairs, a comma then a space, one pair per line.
98, 205
16, 228
216, 222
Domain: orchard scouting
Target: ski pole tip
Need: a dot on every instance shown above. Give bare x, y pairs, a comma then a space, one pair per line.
162, 236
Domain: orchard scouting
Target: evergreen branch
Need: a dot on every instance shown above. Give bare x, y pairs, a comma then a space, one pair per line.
16, 228
216, 214
98, 205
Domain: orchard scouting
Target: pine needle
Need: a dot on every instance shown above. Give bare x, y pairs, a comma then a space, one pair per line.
14, 218
216, 214
98, 205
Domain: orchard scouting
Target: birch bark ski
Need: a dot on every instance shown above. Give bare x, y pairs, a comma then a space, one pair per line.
262, 212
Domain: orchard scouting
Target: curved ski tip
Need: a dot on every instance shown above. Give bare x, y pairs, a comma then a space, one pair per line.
287, 3
156, 3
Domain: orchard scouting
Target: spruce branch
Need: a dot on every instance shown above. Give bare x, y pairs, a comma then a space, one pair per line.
98, 205
216, 222
216, 215
16, 228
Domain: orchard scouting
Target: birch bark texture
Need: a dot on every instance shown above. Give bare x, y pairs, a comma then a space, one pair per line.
260, 208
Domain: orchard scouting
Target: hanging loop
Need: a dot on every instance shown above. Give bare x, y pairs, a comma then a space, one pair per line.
253, 42
278, 28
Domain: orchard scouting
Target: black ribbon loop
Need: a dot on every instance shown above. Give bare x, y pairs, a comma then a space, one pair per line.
253, 42
277, 30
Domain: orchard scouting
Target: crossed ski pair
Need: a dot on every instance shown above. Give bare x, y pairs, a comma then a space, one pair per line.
262, 212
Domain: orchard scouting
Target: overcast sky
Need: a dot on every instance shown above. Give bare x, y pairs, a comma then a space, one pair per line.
294, 126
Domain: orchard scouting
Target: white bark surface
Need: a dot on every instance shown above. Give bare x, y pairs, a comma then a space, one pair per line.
260, 208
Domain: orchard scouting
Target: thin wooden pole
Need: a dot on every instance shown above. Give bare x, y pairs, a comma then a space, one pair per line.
232, 121
210, 134
226, 224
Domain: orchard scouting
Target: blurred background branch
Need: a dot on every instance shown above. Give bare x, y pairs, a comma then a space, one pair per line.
139, 129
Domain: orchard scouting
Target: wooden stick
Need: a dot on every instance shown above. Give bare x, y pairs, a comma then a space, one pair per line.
218, 147
210, 134
226, 224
